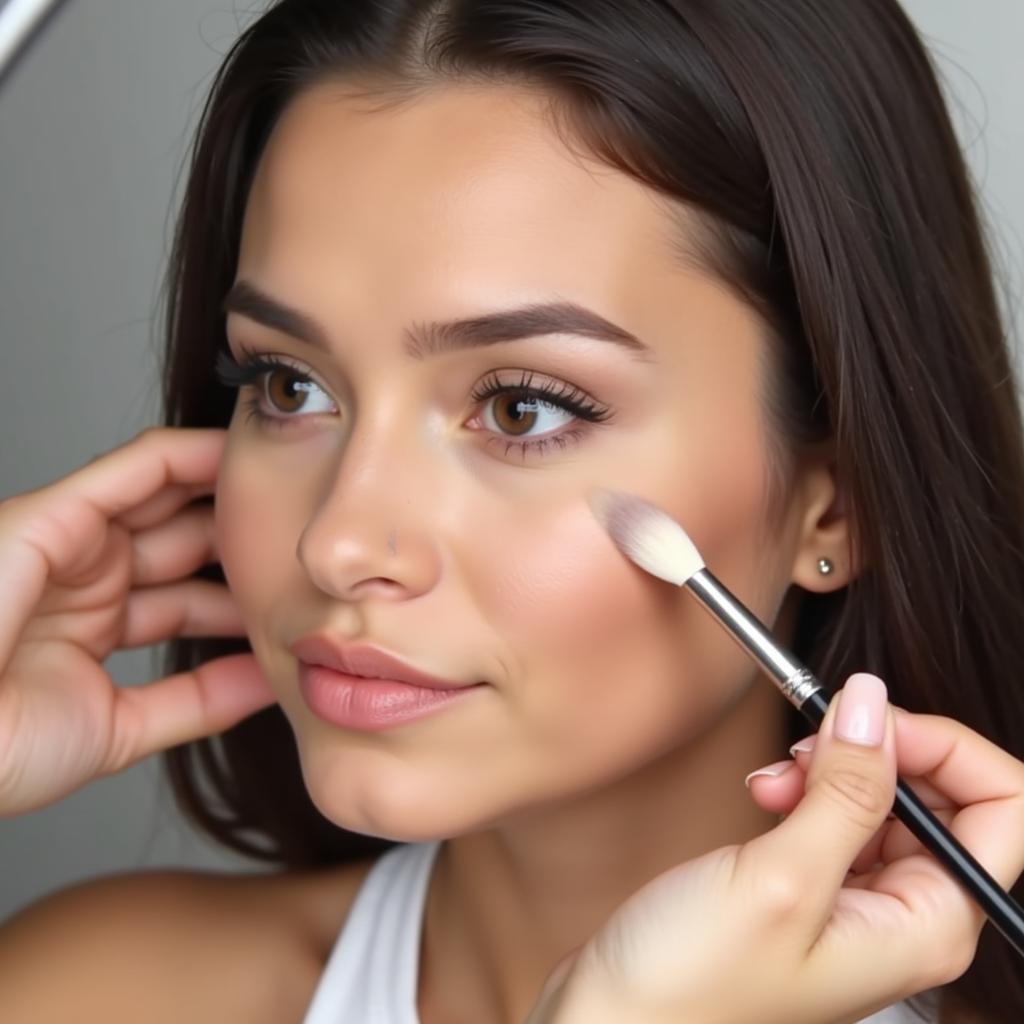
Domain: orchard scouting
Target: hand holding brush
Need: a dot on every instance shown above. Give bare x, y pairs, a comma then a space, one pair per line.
831, 916
655, 542
839, 911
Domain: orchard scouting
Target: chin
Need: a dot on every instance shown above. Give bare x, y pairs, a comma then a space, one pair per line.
391, 801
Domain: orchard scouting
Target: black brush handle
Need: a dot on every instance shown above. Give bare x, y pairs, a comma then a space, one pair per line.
1002, 909
805, 692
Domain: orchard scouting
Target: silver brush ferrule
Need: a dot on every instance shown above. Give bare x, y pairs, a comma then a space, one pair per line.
794, 680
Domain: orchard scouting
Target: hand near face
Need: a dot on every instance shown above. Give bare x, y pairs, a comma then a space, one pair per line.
99, 561
832, 915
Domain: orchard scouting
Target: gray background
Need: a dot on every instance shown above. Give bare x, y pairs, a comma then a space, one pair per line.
94, 125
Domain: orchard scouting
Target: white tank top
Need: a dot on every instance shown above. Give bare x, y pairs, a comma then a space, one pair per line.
372, 973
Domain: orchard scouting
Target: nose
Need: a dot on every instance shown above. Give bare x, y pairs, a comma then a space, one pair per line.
371, 535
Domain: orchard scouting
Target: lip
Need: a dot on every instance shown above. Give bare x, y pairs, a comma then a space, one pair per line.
372, 705
367, 661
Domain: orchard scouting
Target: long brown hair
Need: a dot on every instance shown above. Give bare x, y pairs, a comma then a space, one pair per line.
812, 141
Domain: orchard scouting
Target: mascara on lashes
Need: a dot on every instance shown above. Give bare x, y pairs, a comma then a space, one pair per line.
561, 395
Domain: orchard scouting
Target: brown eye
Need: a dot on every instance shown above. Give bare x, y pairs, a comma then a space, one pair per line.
530, 416
516, 411
285, 387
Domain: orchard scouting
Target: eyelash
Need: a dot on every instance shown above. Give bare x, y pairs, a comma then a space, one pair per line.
254, 365
559, 394
241, 373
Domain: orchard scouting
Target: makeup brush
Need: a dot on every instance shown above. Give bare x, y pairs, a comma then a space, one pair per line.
655, 542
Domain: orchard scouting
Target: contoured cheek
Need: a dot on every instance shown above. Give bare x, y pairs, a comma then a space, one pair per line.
257, 526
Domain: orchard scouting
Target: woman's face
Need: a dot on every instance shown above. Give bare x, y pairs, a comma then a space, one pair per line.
391, 503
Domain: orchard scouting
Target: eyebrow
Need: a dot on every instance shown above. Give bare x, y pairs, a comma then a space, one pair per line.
436, 336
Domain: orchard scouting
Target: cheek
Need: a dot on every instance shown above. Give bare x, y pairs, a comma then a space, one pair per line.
253, 532
723, 510
593, 639
564, 584
609, 650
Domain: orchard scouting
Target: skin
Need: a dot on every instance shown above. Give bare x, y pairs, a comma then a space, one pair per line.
619, 721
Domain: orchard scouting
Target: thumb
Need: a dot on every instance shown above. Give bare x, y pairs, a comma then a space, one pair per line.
850, 790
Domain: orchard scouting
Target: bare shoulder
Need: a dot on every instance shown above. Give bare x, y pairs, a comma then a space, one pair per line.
175, 945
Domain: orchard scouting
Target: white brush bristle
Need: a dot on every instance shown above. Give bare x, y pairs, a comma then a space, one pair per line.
647, 536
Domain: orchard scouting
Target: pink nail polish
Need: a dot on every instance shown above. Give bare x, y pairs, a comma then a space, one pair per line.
860, 717
774, 770
805, 746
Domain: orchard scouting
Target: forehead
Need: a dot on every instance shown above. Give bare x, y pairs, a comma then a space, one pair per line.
472, 181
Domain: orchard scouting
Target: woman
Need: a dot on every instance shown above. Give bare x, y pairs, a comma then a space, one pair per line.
465, 262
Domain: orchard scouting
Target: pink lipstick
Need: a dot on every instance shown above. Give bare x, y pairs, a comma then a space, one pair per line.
365, 688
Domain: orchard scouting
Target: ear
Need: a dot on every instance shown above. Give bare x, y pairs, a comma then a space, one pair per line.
824, 532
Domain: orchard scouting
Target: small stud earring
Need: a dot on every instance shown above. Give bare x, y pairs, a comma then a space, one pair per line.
825, 566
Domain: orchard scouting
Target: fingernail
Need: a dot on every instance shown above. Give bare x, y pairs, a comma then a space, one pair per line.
805, 746
774, 770
860, 717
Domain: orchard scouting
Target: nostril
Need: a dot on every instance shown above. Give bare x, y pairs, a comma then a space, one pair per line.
377, 583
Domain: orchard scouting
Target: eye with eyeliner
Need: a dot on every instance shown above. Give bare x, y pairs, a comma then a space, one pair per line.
252, 369
533, 395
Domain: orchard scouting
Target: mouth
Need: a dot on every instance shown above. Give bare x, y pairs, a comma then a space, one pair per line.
365, 689
368, 662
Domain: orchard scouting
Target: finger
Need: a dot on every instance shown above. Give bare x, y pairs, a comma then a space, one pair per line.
175, 549
804, 747
142, 467
961, 764
46, 531
849, 791
779, 793
192, 608
985, 781
992, 829
899, 842
929, 795
23, 570
869, 855
163, 505
779, 789
802, 753
185, 707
